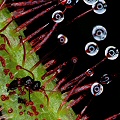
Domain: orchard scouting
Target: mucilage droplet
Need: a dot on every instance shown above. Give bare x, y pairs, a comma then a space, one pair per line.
62, 39
96, 89
91, 48
58, 16
90, 2
111, 52
99, 7
99, 33
105, 79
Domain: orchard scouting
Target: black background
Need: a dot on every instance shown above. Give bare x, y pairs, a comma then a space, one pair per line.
79, 34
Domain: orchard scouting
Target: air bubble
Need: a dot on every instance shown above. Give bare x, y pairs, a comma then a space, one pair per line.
99, 7
99, 33
96, 89
91, 48
62, 39
58, 16
90, 2
111, 52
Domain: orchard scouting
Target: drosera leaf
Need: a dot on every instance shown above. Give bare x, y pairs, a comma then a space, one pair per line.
38, 109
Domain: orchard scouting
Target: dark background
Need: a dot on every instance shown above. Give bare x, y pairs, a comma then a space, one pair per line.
79, 34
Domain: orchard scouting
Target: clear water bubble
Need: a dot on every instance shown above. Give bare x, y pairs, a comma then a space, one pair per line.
58, 16
99, 33
96, 89
90, 2
91, 48
105, 79
111, 52
62, 39
99, 7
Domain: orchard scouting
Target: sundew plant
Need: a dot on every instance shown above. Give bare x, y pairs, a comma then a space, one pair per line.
54, 58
